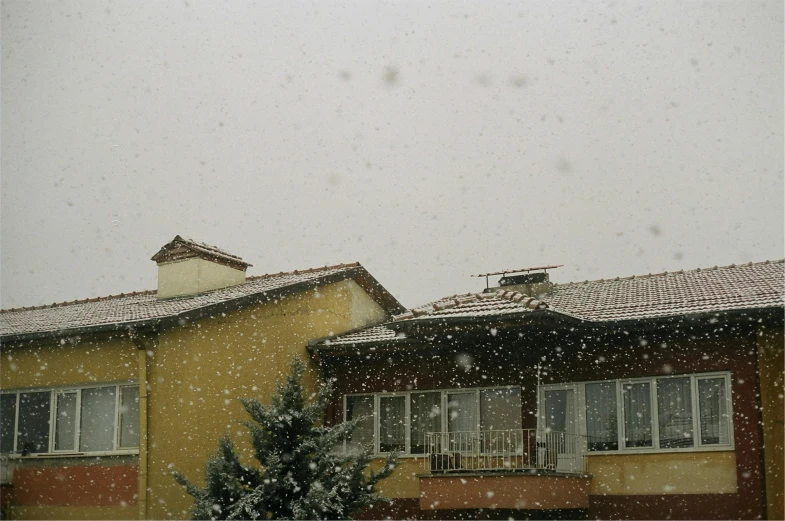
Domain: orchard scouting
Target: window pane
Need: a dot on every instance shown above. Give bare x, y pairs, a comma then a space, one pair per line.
392, 423
129, 416
462, 412
356, 407
500, 421
65, 421
7, 420
556, 411
426, 417
714, 417
98, 409
500, 409
674, 412
33, 435
637, 415
601, 421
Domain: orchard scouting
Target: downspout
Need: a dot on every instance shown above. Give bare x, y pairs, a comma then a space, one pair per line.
141, 350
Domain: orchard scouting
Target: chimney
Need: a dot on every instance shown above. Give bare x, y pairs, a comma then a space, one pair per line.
536, 285
187, 267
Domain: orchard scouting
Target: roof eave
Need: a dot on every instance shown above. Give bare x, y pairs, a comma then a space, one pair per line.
137, 325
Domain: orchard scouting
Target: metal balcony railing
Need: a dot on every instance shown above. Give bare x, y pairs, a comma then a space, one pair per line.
512, 449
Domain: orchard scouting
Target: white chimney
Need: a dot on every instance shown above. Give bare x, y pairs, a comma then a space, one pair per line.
187, 267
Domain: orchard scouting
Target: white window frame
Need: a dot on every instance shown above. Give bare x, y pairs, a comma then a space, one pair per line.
444, 413
652, 380
56, 419
54, 392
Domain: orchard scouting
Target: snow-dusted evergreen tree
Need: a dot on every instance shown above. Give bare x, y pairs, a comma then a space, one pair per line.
303, 471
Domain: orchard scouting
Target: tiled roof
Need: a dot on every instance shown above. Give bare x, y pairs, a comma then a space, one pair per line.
140, 307
200, 249
749, 286
475, 305
366, 336
457, 306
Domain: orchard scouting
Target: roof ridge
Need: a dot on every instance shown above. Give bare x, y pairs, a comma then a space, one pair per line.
300, 272
676, 272
153, 291
210, 247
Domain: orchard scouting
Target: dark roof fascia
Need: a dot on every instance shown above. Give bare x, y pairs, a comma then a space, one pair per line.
139, 326
377, 292
205, 311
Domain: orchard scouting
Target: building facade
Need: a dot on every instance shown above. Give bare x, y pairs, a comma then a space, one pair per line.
103, 398
655, 397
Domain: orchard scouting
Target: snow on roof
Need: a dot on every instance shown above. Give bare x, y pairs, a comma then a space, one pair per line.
475, 305
736, 287
128, 309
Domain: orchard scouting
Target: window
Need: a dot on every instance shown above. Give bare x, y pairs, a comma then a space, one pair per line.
392, 423
403, 419
360, 407
7, 422
426, 416
636, 398
684, 412
602, 429
129, 417
32, 433
93, 419
714, 411
674, 408
65, 420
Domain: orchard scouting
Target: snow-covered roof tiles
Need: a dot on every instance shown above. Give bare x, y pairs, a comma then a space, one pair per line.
475, 305
133, 308
737, 287
368, 335
179, 248
746, 286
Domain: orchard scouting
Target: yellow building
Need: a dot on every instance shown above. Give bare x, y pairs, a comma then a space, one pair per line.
102, 398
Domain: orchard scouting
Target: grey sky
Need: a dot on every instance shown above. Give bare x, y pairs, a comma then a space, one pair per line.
429, 141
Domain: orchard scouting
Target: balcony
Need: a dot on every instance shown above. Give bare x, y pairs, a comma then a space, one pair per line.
516, 468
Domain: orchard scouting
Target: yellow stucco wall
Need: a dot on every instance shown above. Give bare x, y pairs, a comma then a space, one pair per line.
403, 482
667, 473
198, 371
770, 363
82, 360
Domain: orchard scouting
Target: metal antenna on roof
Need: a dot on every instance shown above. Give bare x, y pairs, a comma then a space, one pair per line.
522, 270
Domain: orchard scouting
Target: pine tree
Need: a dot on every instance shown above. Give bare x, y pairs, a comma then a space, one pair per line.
303, 472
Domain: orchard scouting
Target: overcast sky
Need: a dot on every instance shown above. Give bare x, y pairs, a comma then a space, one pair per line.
427, 140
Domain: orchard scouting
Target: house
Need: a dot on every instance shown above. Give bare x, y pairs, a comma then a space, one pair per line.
102, 398
646, 397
